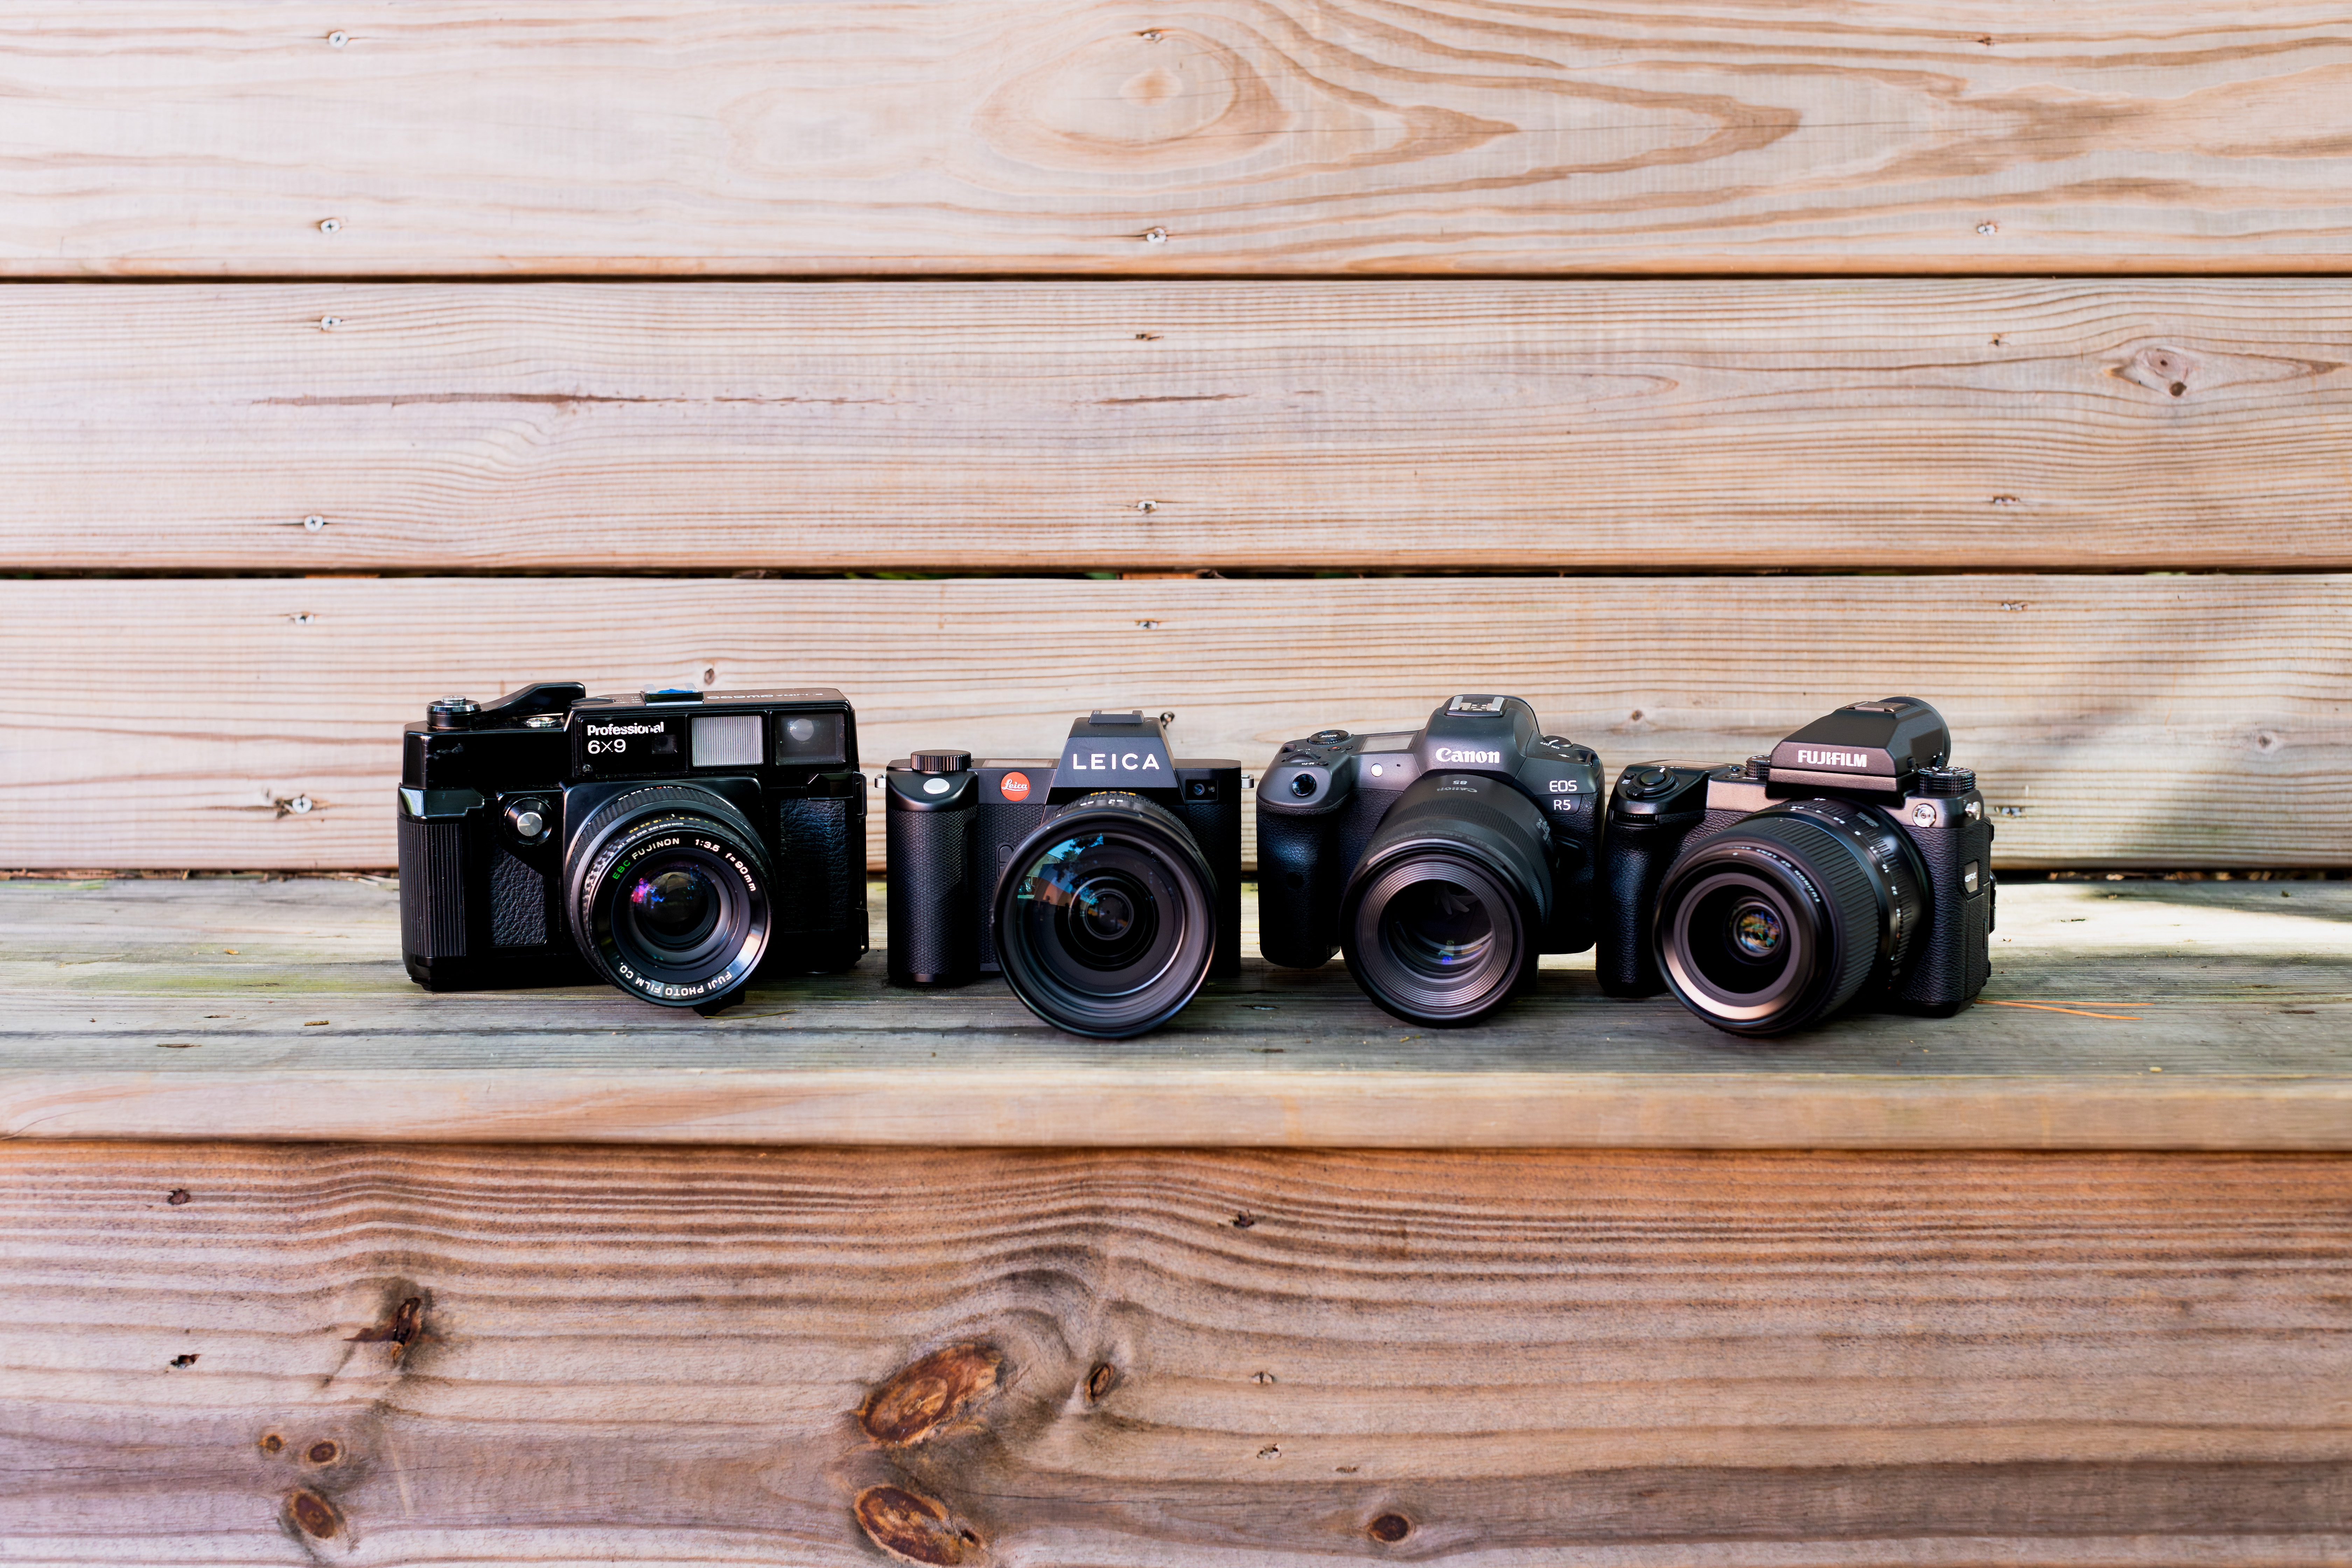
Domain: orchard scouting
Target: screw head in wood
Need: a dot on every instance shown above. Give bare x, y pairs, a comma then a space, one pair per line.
1147, 506
299, 806
329, 224
313, 523
1987, 229
336, 39
328, 323
1155, 237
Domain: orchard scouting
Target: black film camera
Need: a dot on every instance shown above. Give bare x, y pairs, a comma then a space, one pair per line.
1103, 885
1851, 868
669, 842
1442, 863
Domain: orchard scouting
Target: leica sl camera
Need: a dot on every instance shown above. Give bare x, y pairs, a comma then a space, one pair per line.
1442, 863
1852, 867
672, 842
1103, 885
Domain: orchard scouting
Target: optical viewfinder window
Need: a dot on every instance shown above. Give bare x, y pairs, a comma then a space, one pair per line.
808, 737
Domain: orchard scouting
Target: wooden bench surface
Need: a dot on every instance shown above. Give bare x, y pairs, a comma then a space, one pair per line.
2121, 1015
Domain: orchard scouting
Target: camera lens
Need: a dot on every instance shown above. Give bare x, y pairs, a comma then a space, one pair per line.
1104, 917
670, 894
1781, 920
1443, 917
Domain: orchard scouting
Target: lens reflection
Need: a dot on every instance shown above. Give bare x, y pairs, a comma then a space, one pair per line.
1738, 938
1755, 930
674, 909
1439, 928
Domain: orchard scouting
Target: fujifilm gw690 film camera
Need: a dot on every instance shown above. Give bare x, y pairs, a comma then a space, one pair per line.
670, 842
1850, 868
1103, 885
1442, 863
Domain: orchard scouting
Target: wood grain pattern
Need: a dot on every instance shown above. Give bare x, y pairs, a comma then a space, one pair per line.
1228, 136
1611, 1358
2146, 720
2147, 1015
1641, 427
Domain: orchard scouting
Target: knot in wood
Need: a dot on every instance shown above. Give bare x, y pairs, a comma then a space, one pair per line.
916, 1529
928, 1394
325, 1451
314, 1515
1101, 1381
1390, 1528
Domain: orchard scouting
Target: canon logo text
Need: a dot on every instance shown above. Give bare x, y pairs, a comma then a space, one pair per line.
1455, 755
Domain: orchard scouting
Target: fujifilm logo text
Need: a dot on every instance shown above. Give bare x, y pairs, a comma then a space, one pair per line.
1457, 757
1833, 759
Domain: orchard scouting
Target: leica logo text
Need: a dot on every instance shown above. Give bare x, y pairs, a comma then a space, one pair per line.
1115, 762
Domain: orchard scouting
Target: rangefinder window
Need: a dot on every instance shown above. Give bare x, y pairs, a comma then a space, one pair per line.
727, 741
650, 840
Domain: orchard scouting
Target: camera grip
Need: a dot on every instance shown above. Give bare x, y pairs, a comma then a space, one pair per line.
1300, 875
1634, 858
931, 912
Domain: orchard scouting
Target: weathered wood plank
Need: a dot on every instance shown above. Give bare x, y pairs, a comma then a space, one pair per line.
2153, 1016
989, 135
2146, 721
1498, 1359
1649, 426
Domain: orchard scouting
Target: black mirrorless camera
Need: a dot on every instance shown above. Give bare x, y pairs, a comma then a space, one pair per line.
669, 842
1442, 863
1105, 884
1851, 868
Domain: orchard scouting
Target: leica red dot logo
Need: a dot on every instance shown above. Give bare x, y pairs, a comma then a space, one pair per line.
1016, 786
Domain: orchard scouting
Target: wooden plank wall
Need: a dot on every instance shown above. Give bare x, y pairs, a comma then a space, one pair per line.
1721, 437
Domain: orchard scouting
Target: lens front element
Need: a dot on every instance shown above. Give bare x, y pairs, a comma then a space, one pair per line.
669, 895
674, 909
1104, 917
1439, 928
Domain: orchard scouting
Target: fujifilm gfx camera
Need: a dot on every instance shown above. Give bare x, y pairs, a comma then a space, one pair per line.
669, 842
1851, 868
1103, 885
1442, 863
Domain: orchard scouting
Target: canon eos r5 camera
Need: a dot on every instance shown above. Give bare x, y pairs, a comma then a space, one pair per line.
670, 842
1105, 884
1441, 863
1850, 868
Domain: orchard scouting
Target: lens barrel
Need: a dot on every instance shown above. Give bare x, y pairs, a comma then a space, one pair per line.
1106, 917
668, 890
1443, 919
1783, 918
